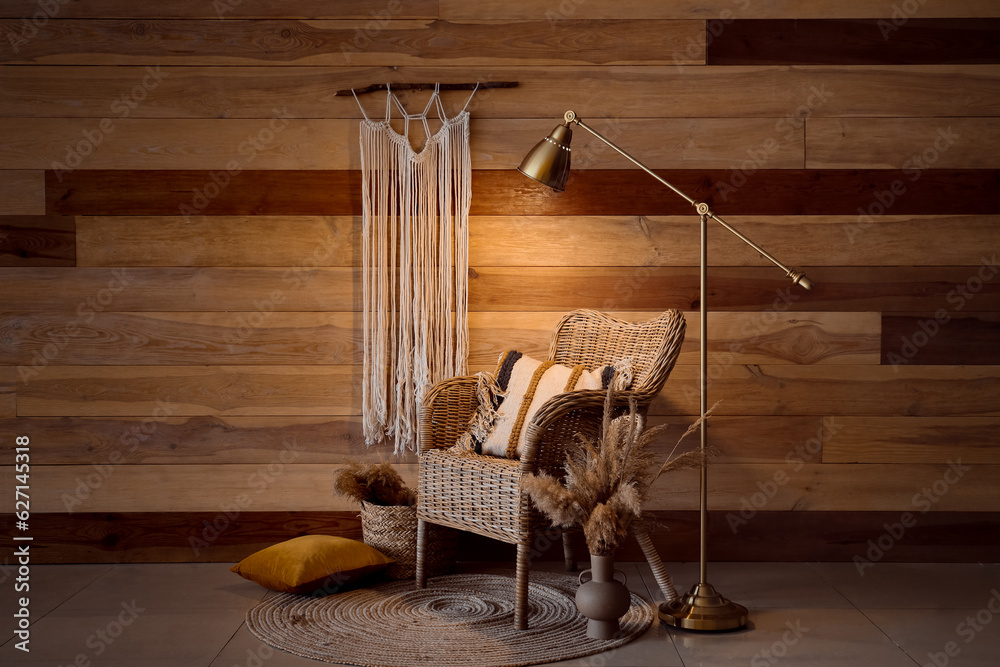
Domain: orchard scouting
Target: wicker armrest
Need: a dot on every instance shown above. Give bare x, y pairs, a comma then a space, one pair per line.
557, 422
446, 410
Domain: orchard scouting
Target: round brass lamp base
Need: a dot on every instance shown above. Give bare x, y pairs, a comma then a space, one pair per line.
703, 608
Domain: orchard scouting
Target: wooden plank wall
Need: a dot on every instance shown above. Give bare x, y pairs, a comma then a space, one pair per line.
179, 230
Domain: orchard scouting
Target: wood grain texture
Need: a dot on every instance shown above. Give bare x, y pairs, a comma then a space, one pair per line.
306, 144
177, 537
953, 338
151, 537
283, 484
742, 338
655, 288
785, 93
886, 240
193, 440
910, 144
917, 391
81, 293
266, 337
973, 440
391, 42
8, 391
22, 192
280, 484
721, 10
196, 9
263, 336
908, 40
218, 241
35, 240
183, 391
509, 193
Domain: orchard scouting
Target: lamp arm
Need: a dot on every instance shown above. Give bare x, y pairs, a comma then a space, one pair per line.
797, 277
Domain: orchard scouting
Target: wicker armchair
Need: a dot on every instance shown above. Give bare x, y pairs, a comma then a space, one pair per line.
482, 494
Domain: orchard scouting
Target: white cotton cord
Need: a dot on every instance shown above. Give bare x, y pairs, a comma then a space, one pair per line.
415, 268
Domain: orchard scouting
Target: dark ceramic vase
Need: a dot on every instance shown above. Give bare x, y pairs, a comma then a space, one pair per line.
602, 599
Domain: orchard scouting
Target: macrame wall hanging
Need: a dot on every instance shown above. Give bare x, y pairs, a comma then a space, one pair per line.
415, 258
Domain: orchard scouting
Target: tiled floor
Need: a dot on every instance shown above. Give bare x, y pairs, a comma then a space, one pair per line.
823, 614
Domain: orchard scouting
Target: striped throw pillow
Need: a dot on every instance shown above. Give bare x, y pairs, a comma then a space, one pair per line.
521, 385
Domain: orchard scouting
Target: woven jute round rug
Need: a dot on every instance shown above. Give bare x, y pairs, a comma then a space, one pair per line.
459, 619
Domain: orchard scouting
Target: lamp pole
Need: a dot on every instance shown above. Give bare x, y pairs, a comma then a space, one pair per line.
703, 608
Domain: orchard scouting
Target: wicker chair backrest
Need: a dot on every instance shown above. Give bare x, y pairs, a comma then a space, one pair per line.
594, 339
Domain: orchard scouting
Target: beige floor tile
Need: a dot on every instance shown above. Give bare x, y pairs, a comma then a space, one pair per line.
169, 586
129, 633
48, 587
945, 637
913, 585
245, 650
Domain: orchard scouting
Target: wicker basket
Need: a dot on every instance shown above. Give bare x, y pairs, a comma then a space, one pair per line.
392, 529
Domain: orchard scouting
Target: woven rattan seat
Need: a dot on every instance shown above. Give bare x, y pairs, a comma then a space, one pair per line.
482, 494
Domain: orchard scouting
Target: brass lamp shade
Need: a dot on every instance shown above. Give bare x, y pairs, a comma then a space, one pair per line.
548, 161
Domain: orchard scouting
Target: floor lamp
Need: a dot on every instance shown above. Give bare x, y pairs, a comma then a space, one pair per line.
703, 608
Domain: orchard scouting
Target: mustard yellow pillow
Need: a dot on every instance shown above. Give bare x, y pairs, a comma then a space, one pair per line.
305, 564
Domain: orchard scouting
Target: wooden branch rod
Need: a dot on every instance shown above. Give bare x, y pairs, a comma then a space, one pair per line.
429, 86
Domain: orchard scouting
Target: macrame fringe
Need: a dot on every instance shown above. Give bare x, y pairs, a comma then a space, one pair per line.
415, 242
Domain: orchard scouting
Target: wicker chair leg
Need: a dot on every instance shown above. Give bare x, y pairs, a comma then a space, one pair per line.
568, 555
655, 564
521, 586
421, 551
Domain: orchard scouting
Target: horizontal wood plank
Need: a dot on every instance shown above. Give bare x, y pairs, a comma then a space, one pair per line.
910, 144
219, 241
284, 484
36, 240
157, 537
942, 338
918, 391
391, 42
785, 93
8, 391
722, 11
184, 391
244, 9
914, 40
84, 292
270, 337
264, 336
306, 144
280, 484
886, 240
81, 293
974, 440
507, 192
655, 288
191, 440
742, 338
22, 192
